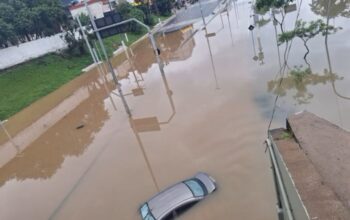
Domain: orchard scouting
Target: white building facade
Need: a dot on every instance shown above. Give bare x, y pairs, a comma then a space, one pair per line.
97, 7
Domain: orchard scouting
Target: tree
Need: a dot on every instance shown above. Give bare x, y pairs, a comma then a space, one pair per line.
298, 80
7, 34
149, 19
128, 11
336, 8
76, 45
28, 19
264, 5
306, 31
7, 12
24, 24
124, 9
139, 15
165, 7
84, 19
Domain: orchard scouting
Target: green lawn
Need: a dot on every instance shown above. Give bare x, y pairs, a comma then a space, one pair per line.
111, 43
23, 84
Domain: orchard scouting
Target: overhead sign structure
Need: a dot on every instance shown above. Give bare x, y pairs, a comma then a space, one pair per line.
109, 18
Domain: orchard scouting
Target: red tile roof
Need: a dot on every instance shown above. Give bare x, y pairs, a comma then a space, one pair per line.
81, 4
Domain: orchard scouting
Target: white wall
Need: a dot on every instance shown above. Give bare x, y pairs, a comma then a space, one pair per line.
18, 54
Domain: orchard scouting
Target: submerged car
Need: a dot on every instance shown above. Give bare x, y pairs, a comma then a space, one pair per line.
178, 196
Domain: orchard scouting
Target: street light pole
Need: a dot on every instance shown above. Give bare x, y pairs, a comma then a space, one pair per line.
150, 36
107, 59
8, 135
200, 6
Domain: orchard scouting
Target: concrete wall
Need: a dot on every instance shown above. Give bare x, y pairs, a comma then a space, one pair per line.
29, 50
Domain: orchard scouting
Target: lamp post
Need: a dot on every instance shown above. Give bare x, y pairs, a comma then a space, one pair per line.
8, 135
107, 59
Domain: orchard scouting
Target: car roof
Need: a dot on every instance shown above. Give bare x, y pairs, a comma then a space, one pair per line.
169, 199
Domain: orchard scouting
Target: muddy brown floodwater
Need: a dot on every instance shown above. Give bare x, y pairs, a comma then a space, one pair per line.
82, 157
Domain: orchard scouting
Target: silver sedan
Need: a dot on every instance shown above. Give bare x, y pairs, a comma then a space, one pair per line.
177, 196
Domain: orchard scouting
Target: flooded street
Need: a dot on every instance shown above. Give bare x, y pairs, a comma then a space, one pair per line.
86, 159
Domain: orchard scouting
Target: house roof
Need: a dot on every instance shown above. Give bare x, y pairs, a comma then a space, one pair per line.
81, 3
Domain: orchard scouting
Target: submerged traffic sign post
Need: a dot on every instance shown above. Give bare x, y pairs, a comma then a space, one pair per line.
94, 26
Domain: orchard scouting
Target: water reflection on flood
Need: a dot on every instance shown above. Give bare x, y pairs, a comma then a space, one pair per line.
298, 80
95, 162
68, 137
303, 79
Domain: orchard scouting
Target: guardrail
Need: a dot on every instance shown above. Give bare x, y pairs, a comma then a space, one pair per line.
289, 205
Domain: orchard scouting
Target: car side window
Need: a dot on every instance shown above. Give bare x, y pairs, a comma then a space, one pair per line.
149, 217
144, 210
195, 187
145, 213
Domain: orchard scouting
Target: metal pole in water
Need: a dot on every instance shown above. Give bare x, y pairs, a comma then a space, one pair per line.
200, 6
102, 74
253, 41
155, 49
222, 21
212, 60
131, 63
278, 48
236, 12
100, 58
138, 138
107, 59
8, 135
126, 37
229, 25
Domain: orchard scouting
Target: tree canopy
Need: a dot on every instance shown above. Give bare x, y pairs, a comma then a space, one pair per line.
306, 31
336, 8
25, 20
265, 5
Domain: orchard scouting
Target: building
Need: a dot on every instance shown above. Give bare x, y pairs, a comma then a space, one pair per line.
97, 7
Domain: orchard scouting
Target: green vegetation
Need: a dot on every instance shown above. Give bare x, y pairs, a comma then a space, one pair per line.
164, 7
112, 43
306, 31
26, 20
298, 73
25, 83
286, 135
331, 9
297, 81
263, 6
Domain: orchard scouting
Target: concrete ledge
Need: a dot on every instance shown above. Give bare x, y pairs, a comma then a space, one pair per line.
327, 147
315, 167
90, 67
118, 51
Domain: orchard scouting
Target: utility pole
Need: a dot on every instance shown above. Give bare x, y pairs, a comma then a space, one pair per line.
8, 135
92, 20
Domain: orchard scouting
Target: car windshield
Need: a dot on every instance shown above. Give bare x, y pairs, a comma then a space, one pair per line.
144, 210
149, 217
195, 187
145, 213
